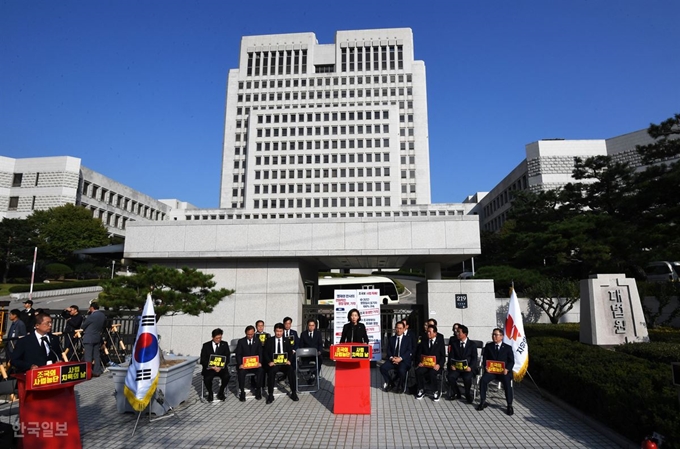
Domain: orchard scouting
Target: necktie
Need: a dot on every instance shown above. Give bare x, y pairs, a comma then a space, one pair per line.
310, 335
286, 333
462, 345
398, 342
45, 346
498, 348
431, 343
278, 346
250, 342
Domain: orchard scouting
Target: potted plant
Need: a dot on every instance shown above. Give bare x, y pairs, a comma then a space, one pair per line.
174, 291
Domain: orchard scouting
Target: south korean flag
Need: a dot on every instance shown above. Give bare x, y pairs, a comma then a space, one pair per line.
142, 375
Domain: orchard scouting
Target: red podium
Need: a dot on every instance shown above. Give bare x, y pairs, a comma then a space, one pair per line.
47, 405
352, 378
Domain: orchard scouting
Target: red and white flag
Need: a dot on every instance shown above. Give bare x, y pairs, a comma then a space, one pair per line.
514, 336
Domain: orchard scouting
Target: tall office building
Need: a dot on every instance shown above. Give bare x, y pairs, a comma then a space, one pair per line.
326, 130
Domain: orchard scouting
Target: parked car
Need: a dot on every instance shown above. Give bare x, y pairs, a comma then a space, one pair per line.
663, 271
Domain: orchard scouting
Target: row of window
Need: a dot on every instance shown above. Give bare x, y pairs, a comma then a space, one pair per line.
327, 94
505, 196
264, 63
321, 116
240, 216
241, 110
322, 144
266, 189
117, 200
318, 130
300, 203
322, 159
318, 173
109, 218
383, 57
324, 81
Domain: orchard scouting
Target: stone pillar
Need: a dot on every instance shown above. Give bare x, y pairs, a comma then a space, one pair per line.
433, 270
611, 312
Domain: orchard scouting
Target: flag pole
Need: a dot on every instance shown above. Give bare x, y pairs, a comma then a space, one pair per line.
536, 385
136, 422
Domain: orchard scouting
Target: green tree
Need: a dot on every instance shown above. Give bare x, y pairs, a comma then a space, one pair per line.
15, 244
61, 230
555, 296
57, 270
505, 277
176, 291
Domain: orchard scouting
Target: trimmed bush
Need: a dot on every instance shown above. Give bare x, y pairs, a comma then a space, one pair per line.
659, 352
57, 270
631, 395
570, 331
54, 286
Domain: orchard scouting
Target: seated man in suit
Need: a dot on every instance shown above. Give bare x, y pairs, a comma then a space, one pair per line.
278, 345
500, 352
459, 350
215, 347
433, 346
260, 333
398, 359
249, 346
38, 348
311, 338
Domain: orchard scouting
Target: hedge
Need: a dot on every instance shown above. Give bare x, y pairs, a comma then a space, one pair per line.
55, 286
631, 395
659, 352
570, 331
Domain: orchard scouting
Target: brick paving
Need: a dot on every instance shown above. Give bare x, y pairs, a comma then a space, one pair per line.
396, 421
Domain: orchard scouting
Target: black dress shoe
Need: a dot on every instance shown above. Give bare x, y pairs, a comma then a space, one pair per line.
270, 399
210, 398
221, 397
258, 396
242, 396
482, 406
510, 411
295, 397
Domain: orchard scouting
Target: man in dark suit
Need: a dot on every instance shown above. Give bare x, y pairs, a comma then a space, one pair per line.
92, 338
28, 315
428, 323
290, 333
459, 350
500, 352
16, 331
432, 345
278, 344
215, 347
399, 351
260, 333
74, 321
249, 346
38, 348
312, 339
410, 333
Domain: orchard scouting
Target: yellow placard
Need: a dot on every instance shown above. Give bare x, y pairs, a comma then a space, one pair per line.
495, 367
250, 362
360, 352
217, 361
280, 359
263, 338
428, 361
460, 365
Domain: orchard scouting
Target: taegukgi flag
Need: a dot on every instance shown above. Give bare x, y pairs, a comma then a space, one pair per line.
514, 336
142, 375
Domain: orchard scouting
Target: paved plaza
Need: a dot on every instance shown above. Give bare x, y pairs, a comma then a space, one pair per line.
396, 421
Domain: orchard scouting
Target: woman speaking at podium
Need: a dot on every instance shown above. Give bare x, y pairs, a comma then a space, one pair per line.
354, 331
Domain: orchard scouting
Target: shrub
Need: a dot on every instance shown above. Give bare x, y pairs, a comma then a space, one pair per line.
570, 331
59, 286
57, 270
659, 352
631, 395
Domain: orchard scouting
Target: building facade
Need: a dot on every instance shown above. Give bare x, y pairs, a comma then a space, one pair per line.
548, 165
28, 184
318, 130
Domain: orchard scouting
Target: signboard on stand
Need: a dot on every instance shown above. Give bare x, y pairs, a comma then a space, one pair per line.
367, 302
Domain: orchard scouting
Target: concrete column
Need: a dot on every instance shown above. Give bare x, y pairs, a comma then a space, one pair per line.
433, 270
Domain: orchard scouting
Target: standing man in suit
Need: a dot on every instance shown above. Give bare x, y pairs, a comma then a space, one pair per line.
217, 347
312, 339
92, 338
399, 351
39, 348
278, 344
432, 345
16, 330
28, 315
461, 349
74, 321
249, 346
500, 352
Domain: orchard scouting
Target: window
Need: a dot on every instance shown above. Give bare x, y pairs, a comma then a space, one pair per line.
13, 202
16, 181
